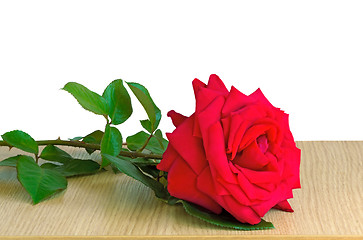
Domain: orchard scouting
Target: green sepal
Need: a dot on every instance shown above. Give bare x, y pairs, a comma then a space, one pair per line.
21, 140
88, 99
38, 182
224, 219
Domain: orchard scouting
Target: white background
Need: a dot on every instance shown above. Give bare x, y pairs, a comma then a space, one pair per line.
306, 56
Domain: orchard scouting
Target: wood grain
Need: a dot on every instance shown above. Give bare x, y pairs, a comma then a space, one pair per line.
329, 205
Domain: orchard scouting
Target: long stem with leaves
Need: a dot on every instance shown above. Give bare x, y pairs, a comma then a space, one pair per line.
137, 158
59, 142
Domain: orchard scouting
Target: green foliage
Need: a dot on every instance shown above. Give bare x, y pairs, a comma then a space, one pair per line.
21, 140
76, 167
53, 153
93, 138
124, 165
10, 162
111, 143
144, 161
69, 166
38, 182
224, 219
150, 169
156, 143
89, 100
146, 124
153, 112
162, 141
119, 102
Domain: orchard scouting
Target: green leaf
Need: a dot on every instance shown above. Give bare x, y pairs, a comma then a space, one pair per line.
223, 220
10, 162
146, 124
89, 100
76, 138
173, 200
76, 167
159, 137
111, 143
153, 112
125, 166
144, 161
119, 102
21, 140
53, 153
136, 141
38, 182
93, 138
151, 170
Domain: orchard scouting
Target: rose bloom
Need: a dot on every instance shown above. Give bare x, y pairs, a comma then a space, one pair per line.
235, 152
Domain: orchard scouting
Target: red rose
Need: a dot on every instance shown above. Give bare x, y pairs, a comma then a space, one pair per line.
235, 152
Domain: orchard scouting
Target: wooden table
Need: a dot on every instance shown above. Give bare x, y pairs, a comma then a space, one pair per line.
329, 205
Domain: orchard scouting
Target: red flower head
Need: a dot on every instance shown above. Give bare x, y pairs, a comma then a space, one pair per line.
235, 152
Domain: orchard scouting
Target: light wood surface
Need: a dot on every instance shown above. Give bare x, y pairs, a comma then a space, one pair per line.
107, 206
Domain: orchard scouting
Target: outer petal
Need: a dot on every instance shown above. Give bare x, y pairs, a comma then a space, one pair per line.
235, 101
216, 83
187, 146
284, 206
177, 118
242, 213
259, 96
182, 183
197, 85
169, 156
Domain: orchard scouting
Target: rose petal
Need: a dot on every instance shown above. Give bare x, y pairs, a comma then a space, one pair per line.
284, 206
259, 96
169, 157
204, 98
275, 198
257, 177
252, 191
226, 125
242, 213
176, 118
252, 133
197, 85
216, 155
235, 101
182, 184
292, 166
188, 147
216, 83
251, 157
209, 116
